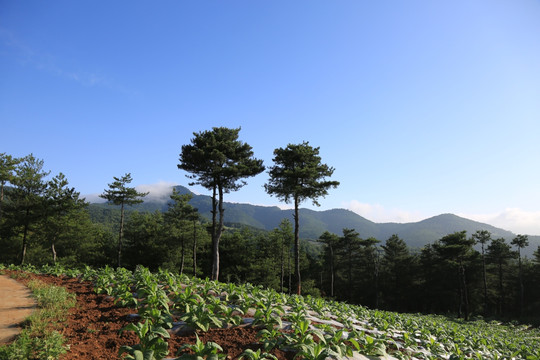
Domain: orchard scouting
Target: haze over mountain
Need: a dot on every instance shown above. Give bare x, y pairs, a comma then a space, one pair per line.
314, 223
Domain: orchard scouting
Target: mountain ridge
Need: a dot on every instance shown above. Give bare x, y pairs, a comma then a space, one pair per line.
313, 223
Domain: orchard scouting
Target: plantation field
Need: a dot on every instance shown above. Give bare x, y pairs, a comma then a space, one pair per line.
140, 315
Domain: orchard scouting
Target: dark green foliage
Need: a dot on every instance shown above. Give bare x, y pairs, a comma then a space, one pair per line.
457, 253
399, 269
220, 162
8, 164
182, 222
298, 175
47, 217
121, 194
446, 276
27, 199
331, 244
62, 204
520, 242
498, 256
314, 223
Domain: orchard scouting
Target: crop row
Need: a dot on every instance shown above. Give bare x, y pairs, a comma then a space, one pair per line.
313, 328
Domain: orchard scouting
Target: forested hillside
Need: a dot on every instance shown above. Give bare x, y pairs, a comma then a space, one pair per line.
456, 266
314, 223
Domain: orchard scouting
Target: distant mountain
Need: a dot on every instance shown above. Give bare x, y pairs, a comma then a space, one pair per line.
314, 223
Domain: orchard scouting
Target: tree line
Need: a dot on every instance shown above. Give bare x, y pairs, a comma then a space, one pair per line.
46, 221
215, 159
447, 276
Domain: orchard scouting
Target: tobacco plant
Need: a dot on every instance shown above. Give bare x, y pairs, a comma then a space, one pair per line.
152, 345
200, 317
256, 355
268, 314
201, 351
271, 338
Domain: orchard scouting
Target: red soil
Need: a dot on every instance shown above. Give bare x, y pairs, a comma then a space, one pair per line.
92, 327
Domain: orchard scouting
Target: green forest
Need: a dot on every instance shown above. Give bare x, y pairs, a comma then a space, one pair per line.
45, 221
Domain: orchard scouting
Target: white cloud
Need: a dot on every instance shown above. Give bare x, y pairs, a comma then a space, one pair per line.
158, 192
93, 198
513, 219
380, 214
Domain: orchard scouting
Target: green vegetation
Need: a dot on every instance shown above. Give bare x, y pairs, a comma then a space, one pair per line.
299, 175
44, 222
40, 338
220, 162
121, 194
318, 328
200, 351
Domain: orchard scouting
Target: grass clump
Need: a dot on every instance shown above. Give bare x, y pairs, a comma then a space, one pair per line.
40, 338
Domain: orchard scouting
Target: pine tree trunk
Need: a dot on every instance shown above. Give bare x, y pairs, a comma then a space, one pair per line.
521, 290
214, 226
282, 263
331, 271
215, 249
297, 248
377, 283
194, 248
1, 198
485, 281
501, 293
289, 271
460, 291
121, 235
349, 273
25, 237
53, 250
465, 293
182, 256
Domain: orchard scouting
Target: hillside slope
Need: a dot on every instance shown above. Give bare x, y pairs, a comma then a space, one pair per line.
314, 223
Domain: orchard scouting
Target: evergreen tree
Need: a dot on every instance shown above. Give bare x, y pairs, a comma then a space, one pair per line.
456, 250
181, 219
350, 245
483, 237
220, 162
371, 264
520, 241
60, 201
331, 243
499, 254
298, 175
8, 165
26, 205
398, 268
436, 286
145, 241
283, 237
120, 194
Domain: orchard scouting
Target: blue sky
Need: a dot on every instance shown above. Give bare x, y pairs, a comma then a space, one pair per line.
422, 107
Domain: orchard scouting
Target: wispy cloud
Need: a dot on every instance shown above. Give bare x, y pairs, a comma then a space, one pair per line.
513, 219
48, 63
159, 192
380, 214
93, 198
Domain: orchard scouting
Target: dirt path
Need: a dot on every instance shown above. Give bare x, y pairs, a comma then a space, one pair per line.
16, 304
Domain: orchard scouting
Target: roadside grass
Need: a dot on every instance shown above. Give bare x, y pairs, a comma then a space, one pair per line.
40, 339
